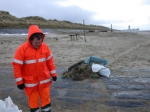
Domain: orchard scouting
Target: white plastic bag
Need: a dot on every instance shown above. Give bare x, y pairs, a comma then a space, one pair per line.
105, 72
97, 67
8, 106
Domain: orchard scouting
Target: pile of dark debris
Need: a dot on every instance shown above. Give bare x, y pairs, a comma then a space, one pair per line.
80, 71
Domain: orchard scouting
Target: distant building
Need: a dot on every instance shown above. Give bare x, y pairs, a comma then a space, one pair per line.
129, 27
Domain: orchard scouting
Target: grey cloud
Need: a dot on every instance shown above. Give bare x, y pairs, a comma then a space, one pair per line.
27, 8
48, 10
73, 13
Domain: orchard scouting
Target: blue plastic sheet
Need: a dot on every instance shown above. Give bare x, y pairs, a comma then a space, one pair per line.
92, 59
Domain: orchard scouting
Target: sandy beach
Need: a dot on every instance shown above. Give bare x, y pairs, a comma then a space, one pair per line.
123, 50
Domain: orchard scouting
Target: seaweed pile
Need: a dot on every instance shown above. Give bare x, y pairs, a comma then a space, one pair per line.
80, 72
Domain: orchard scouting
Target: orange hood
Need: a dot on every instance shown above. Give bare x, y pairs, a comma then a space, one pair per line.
34, 29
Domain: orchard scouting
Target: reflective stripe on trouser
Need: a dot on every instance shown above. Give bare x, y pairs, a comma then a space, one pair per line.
46, 108
40, 98
35, 110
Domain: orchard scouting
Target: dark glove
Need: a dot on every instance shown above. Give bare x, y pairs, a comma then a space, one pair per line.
21, 86
54, 78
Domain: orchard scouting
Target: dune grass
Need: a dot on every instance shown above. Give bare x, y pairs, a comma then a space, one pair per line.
9, 21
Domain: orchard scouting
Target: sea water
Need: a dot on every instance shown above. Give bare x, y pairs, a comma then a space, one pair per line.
24, 31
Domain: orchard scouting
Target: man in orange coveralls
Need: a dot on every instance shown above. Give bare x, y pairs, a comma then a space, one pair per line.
34, 70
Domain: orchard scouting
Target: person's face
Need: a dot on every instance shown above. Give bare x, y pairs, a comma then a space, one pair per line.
36, 43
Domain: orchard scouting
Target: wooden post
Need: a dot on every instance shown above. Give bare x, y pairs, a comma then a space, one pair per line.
111, 27
84, 31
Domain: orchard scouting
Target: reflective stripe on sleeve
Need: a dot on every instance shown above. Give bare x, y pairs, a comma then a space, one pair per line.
31, 85
18, 79
18, 61
53, 71
45, 81
49, 57
30, 61
42, 59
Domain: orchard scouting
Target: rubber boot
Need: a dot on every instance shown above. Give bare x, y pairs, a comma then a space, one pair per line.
34, 110
46, 108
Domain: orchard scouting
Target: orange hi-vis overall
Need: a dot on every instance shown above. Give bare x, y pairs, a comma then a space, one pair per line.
34, 67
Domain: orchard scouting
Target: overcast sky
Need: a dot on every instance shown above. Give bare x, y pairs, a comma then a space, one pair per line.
119, 13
